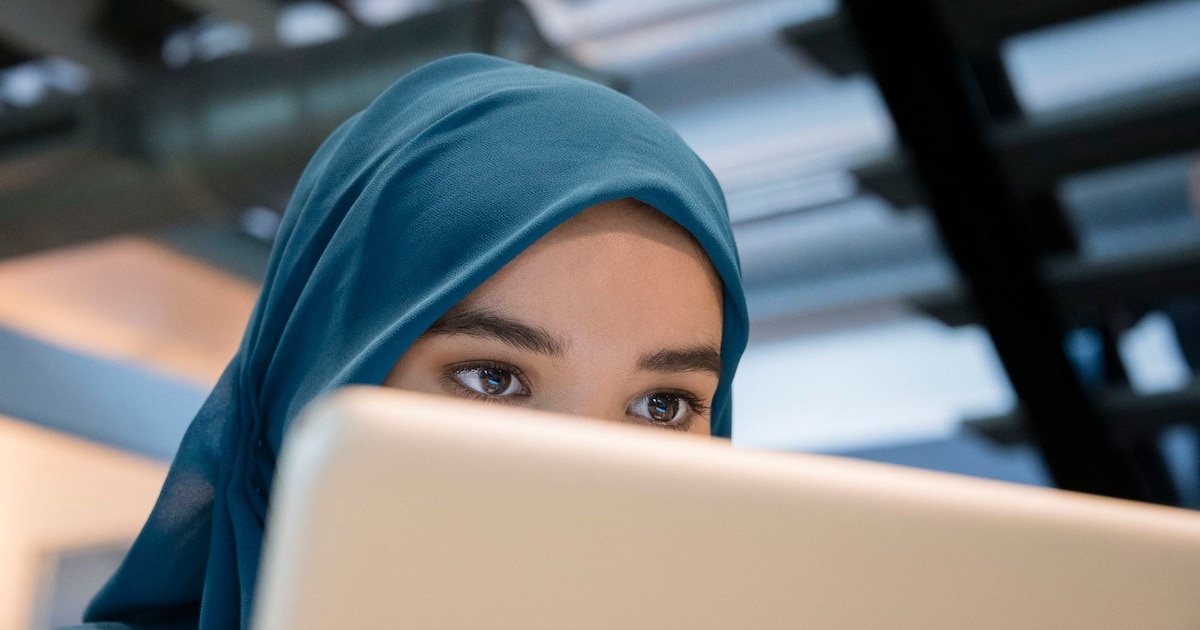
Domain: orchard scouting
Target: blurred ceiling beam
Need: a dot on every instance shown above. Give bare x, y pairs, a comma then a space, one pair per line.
1037, 153
981, 24
210, 139
628, 37
260, 15
64, 29
10, 56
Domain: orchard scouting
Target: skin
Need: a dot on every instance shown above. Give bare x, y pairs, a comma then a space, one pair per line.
615, 314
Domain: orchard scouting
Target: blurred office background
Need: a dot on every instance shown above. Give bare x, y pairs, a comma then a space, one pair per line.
148, 147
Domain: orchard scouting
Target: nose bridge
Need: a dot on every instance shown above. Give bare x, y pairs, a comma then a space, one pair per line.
586, 400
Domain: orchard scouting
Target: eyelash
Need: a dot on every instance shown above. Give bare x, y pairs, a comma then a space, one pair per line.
696, 408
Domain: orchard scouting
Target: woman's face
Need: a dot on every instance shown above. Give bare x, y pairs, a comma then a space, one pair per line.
616, 314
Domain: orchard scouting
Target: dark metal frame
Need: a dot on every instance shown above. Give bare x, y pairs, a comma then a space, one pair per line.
947, 102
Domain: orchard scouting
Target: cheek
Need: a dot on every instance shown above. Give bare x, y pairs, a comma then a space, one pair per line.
702, 426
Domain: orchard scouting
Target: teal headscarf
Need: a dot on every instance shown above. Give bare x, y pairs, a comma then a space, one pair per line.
405, 209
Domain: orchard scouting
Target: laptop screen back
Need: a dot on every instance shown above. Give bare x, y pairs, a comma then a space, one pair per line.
404, 510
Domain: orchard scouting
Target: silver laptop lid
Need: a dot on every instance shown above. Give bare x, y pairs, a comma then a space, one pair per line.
409, 511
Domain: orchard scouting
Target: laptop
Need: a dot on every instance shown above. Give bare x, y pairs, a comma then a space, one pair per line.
402, 510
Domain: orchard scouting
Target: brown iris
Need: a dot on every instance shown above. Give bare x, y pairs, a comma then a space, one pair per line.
494, 381
663, 407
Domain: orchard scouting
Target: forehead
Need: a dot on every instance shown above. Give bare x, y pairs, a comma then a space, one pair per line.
619, 270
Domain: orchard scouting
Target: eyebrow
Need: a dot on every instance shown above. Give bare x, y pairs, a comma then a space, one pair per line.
487, 324
696, 359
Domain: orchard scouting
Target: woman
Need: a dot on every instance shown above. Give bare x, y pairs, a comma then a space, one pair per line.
482, 229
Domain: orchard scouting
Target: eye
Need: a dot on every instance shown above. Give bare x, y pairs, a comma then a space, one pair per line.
491, 380
665, 408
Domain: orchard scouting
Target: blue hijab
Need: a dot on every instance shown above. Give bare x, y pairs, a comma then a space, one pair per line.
407, 207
